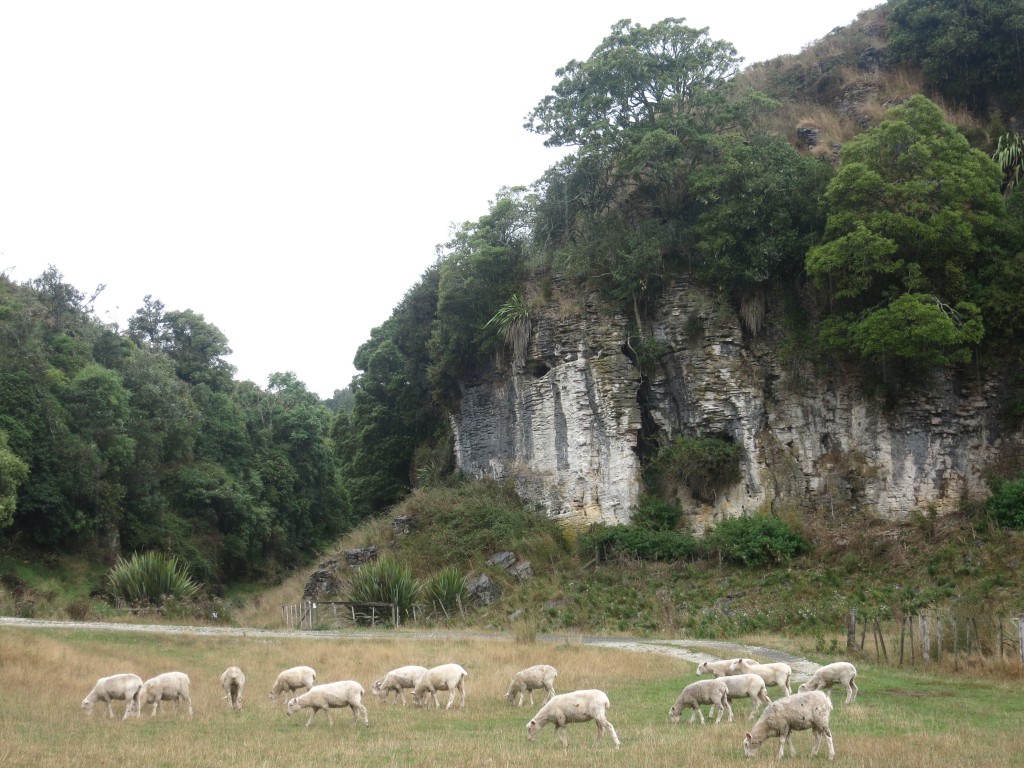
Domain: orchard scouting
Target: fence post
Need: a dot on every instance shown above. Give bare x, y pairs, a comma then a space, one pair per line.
1020, 632
926, 639
851, 631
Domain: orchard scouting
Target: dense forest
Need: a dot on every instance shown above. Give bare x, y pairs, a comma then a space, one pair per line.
894, 237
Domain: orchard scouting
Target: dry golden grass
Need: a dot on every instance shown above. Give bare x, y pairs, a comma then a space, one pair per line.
45, 674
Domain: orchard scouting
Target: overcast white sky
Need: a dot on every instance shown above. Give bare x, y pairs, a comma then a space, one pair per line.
286, 168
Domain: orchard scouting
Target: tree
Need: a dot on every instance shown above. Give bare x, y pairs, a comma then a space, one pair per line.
13, 472
914, 218
636, 77
972, 50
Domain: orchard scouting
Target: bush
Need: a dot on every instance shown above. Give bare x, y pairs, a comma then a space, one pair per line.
385, 581
664, 546
1006, 505
654, 514
705, 465
445, 590
756, 541
149, 578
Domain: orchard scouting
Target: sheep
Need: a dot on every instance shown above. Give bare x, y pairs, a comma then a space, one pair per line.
825, 677
170, 686
344, 693
530, 680
232, 680
713, 692
292, 679
776, 673
799, 712
123, 687
447, 677
747, 685
398, 680
716, 668
575, 707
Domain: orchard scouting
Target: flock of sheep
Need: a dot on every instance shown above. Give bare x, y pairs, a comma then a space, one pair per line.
808, 709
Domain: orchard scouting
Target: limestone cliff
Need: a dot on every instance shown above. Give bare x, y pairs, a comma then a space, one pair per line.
566, 428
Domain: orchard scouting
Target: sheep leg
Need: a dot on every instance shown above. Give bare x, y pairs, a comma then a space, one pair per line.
851, 692
550, 692
563, 737
604, 725
356, 710
531, 698
110, 709
696, 711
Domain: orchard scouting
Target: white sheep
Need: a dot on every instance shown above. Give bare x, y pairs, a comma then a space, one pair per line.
398, 680
532, 679
232, 680
716, 668
842, 672
713, 692
292, 679
170, 686
447, 677
123, 687
799, 712
747, 685
575, 707
775, 673
344, 693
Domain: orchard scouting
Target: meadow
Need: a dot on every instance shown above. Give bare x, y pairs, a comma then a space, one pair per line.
901, 718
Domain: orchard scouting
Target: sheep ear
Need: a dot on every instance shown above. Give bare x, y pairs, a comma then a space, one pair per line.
747, 736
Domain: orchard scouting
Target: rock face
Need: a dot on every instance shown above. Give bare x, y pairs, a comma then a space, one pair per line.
566, 430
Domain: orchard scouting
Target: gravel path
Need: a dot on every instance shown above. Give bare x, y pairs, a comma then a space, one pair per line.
694, 651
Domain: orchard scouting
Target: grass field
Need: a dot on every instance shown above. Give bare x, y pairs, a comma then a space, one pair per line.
900, 718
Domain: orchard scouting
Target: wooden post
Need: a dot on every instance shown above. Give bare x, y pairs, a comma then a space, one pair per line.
1020, 633
926, 639
913, 656
851, 631
880, 639
938, 639
903, 629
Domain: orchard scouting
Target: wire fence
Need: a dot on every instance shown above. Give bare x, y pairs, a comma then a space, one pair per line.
932, 638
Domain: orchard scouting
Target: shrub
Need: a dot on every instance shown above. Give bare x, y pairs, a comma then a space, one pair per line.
385, 581
445, 590
149, 578
1006, 505
665, 546
656, 514
756, 541
705, 465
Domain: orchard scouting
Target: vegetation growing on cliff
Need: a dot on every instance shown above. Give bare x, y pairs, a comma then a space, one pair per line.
901, 250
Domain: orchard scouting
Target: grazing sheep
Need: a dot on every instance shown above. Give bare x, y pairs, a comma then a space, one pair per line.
398, 680
124, 687
776, 673
716, 668
292, 679
170, 686
232, 680
530, 680
825, 677
714, 692
747, 685
447, 677
575, 707
345, 693
799, 712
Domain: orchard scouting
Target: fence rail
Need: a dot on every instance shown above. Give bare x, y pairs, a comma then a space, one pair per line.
310, 614
933, 638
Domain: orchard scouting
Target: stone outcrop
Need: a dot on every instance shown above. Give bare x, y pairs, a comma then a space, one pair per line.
566, 430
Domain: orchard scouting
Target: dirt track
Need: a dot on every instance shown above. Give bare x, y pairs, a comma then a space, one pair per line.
694, 651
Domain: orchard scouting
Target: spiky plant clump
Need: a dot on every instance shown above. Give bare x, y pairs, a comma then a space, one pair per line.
445, 590
149, 578
513, 323
385, 581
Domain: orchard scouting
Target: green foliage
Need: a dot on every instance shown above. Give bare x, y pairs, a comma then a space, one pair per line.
445, 590
756, 541
512, 321
656, 514
915, 221
608, 542
13, 472
1006, 504
1009, 155
970, 50
705, 465
150, 577
385, 581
